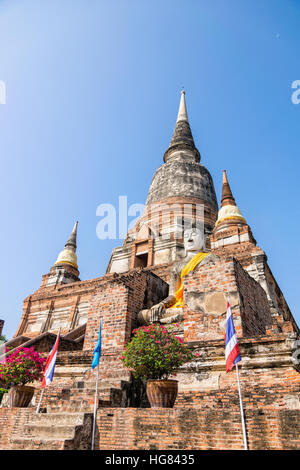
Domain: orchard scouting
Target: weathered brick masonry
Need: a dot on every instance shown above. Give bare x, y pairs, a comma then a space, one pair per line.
139, 429
224, 276
201, 429
118, 302
206, 413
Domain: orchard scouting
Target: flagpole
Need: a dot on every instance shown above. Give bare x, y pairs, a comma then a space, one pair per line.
96, 359
43, 390
95, 408
40, 401
241, 408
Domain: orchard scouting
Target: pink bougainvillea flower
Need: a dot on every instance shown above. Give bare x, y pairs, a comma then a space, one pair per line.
23, 366
155, 352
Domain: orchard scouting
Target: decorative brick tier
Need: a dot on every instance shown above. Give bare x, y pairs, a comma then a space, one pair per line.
195, 429
150, 429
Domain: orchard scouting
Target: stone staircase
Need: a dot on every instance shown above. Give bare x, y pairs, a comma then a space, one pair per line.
79, 397
66, 417
55, 431
66, 413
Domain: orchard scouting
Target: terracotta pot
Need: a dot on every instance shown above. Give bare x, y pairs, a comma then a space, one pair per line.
20, 396
162, 393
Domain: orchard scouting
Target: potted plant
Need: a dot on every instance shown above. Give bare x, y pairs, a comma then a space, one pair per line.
153, 354
21, 367
2, 392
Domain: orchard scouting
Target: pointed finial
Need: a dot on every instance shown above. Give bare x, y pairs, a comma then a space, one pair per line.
182, 144
71, 243
182, 112
227, 198
68, 254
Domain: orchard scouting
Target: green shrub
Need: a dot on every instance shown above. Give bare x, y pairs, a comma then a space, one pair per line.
155, 352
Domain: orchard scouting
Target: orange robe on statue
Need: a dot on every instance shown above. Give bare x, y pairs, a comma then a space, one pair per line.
190, 266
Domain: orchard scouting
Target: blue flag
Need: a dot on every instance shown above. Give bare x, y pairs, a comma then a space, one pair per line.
97, 350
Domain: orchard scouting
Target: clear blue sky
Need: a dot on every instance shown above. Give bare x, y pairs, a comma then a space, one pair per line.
92, 96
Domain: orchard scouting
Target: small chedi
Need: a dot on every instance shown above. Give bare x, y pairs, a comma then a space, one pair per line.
178, 265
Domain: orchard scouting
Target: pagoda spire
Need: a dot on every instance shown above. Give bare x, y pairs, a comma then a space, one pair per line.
71, 243
229, 212
182, 138
227, 198
68, 254
182, 112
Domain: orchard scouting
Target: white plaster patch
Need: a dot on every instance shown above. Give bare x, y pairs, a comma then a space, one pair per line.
292, 402
198, 381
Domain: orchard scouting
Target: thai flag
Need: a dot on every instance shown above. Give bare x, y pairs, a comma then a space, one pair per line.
232, 350
50, 364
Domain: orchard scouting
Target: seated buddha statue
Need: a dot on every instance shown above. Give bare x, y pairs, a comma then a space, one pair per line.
170, 309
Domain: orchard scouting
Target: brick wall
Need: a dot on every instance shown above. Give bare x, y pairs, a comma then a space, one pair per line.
253, 258
166, 429
254, 305
11, 421
214, 276
161, 270
263, 388
7, 418
118, 302
224, 277
268, 376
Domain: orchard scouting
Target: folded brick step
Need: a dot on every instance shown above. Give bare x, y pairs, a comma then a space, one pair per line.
81, 397
58, 418
90, 394
85, 396
29, 443
102, 385
53, 431
71, 406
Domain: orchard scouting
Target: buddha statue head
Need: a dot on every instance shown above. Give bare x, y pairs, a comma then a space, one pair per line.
194, 239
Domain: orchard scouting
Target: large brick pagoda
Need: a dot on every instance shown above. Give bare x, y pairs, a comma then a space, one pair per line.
206, 413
